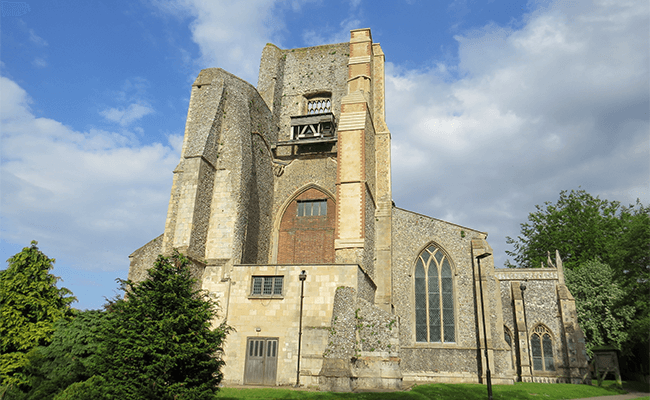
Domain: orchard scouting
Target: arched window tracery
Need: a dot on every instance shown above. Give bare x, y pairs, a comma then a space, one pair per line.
541, 344
434, 297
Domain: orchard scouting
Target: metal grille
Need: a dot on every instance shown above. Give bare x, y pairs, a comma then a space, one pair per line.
277, 285
257, 285
267, 285
319, 106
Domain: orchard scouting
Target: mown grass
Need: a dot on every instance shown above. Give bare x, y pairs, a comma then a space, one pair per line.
519, 391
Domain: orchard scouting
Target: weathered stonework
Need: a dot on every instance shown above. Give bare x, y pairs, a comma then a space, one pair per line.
295, 176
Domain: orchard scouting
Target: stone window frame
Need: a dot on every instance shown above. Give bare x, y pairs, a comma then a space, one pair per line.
313, 97
540, 330
263, 279
454, 275
507, 331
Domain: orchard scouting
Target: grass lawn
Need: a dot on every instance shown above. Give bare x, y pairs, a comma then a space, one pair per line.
518, 391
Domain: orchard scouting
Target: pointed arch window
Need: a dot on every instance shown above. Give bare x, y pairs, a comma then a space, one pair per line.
434, 297
541, 344
507, 336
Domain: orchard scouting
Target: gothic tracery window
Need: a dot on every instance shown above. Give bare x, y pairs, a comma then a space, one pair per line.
434, 297
541, 344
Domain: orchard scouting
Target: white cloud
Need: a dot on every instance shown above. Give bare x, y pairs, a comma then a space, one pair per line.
230, 33
341, 33
134, 93
558, 104
39, 62
37, 40
90, 195
126, 116
326, 36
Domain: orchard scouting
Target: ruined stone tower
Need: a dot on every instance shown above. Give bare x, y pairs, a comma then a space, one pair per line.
295, 175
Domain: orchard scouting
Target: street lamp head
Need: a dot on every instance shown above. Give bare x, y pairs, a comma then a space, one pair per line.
483, 256
522, 286
303, 275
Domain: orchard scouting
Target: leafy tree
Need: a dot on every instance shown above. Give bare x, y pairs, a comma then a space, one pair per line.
158, 342
583, 228
30, 304
71, 357
601, 314
94, 388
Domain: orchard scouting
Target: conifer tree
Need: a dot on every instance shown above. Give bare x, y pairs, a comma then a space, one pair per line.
158, 342
30, 304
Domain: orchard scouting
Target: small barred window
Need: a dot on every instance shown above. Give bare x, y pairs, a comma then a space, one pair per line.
267, 286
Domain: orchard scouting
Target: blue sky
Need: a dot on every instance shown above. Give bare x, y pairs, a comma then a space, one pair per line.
493, 107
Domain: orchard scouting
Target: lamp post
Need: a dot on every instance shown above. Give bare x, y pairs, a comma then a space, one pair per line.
302, 277
487, 359
522, 287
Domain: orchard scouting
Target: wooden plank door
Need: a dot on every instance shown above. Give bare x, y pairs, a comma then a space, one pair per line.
271, 361
261, 361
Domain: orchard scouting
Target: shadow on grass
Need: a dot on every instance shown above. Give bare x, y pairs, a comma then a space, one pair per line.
519, 391
631, 386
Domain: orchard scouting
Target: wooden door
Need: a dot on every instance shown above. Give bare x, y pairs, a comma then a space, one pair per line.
261, 361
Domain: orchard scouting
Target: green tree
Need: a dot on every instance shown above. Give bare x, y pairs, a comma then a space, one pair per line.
602, 315
158, 342
583, 227
30, 304
72, 356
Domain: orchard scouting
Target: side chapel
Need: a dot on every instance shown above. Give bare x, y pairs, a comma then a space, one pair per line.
293, 178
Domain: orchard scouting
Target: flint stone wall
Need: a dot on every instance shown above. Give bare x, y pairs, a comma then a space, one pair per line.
363, 346
541, 303
143, 258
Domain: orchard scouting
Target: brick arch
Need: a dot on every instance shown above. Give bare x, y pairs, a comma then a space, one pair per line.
303, 238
